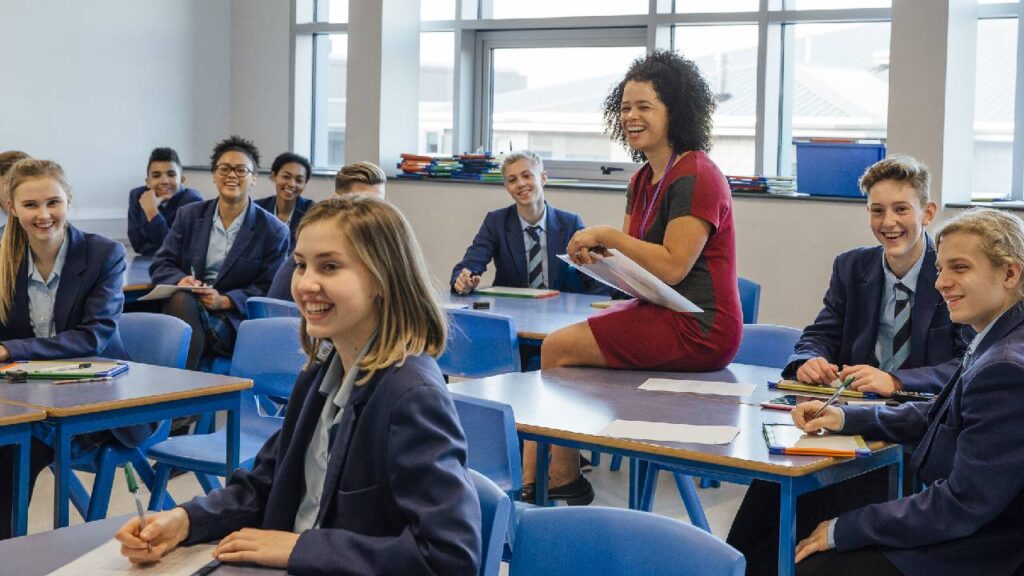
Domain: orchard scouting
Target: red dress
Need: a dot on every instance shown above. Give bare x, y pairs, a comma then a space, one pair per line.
639, 335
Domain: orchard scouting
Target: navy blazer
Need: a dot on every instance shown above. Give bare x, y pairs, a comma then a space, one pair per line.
281, 287
259, 249
397, 497
147, 236
970, 454
501, 239
846, 329
302, 205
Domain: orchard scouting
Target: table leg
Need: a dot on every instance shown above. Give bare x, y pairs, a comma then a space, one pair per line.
21, 495
896, 480
62, 475
787, 528
234, 434
638, 471
543, 456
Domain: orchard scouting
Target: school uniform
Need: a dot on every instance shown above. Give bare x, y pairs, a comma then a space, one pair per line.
846, 330
501, 239
302, 205
281, 287
396, 495
146, 236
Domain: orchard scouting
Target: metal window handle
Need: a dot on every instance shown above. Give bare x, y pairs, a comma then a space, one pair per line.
607, 170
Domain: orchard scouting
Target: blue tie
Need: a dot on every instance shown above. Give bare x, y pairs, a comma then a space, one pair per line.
535, 267
901, 327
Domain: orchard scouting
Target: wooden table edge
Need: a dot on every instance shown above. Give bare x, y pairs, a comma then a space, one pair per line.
134, 402
136, 287
35, 415
532, 335
655, 449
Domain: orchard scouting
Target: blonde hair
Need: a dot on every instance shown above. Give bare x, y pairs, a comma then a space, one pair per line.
904, 169
358, 173
514, 157
410, 319
1001, 234
14, 242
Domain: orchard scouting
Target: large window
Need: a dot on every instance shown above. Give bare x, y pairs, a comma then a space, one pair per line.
994, 97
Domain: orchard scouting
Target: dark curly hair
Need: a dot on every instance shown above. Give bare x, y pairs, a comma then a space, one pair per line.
684, 92
236, 144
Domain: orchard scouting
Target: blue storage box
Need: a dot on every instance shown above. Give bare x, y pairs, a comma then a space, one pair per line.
833, 168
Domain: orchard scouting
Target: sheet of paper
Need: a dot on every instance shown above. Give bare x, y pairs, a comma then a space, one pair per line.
454, 305
161, 291
106, 560
518, 292
618, 271
698, 387
665, 432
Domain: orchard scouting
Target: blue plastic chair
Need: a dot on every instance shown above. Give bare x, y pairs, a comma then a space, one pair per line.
267, 351
750, 299
480, 344
148, 338
595, 541
494, 512
263, 307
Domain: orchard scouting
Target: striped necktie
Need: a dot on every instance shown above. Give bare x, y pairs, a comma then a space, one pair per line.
901, 327
535, 267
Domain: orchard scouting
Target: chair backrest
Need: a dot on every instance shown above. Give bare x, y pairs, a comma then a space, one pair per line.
767, 345
156, 339
495, 508
268, 351
750, 299
263, 307
594, 541
480, 344
490, 429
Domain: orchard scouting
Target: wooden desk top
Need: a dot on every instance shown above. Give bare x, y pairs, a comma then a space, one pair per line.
578, 403
537, 317
141, 385
136, 276
11, 414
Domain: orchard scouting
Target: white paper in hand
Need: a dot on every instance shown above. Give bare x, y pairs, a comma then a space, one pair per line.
619, 271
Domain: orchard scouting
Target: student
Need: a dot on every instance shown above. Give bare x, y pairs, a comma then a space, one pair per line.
7, 159
60, 297
678, 225
355, 178
883, 322
289, 173
153, 207
969, 519
228, 246
524, 239
368, 474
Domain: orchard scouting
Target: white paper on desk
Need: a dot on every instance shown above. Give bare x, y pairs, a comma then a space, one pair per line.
698, 387
161, 291
665, 432
619, 271
106, 560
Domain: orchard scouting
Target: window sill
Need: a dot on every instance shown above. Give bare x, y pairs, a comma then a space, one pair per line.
1002, 205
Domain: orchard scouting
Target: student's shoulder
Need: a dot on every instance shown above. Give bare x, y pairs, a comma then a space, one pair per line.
267, 203
415, 372
564, 215
134, 193
500, 214
189, 196
100, 245
269, 221
195, 209
860, 257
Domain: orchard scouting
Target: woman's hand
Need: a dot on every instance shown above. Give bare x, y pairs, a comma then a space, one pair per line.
212, 300
163, 531
816, 542
270, 548
190, 282
583, 242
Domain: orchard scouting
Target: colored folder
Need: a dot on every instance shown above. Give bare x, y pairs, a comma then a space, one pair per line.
517, 292
66, 369
817, 389
788, 439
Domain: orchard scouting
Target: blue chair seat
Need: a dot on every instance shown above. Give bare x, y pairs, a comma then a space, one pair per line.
205, 452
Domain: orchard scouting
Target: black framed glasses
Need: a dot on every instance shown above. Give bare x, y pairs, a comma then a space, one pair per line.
227, 169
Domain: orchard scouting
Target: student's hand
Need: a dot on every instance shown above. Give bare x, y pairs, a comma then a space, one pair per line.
5, 354
212, 300
190, 282
466, 282
149, 202
870, 379
270, 548
590, 239
164, 531
816, 542
817, 371
830, 419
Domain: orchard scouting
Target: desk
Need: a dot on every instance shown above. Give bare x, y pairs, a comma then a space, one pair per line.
136, 280
45, 552
537, 317
15, 430
570, 407
141, 395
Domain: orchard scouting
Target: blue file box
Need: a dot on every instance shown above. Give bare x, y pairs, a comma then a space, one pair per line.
833, 168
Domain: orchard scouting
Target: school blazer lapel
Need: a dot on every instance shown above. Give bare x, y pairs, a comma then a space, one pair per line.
871, 287
197, 249
553, 231
18, 324
69, 290
926, 300
515, 244
245, 235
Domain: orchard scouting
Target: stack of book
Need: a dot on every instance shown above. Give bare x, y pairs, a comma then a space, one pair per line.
770, 184
478, 167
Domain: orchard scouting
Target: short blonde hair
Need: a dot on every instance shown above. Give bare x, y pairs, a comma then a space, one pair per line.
410, 318
358, 173
514, 157
899, 169
1001, 234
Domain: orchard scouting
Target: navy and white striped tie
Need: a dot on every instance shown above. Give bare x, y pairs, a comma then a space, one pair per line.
535, 267
901, 327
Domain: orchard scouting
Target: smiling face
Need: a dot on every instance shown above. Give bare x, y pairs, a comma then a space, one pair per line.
975, 290
230, 185
290, 181
41, 207
525, 183
164, 178
644, 117
898, 222
333, 288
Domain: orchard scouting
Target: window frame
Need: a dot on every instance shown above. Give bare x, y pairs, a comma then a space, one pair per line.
1013, 10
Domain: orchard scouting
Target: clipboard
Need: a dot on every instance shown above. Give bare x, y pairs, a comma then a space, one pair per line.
65, 369
618, 271
518, 292
818, 389
790, 440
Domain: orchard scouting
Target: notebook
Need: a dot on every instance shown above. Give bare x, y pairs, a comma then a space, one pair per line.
788, 439
517, 292
818, 389
64, 369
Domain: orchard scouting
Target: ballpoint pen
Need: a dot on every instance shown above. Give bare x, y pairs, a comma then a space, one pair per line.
67, 368
133, 487
81, 380
832, 398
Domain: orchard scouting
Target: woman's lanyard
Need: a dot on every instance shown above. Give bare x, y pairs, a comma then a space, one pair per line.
652, 202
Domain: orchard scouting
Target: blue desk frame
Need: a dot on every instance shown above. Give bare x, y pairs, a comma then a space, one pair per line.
62, 428
19, 436
791, 487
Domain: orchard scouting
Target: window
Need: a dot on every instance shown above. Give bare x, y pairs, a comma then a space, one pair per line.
329, 97
437, 69
995, 75
333, 11
559, 8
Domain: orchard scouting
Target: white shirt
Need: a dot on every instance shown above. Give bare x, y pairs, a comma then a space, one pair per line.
43, 293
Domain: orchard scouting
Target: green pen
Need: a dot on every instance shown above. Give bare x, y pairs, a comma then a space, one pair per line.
849, 380
133, 487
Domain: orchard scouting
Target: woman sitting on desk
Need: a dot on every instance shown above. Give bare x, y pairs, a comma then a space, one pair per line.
60, 294
969, 519
678, 225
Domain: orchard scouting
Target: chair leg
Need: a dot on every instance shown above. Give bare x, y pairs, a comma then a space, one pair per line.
710, 483
159, 488
649, 488
79, 495
616, 463
101, 487
208, 482
595, 458
691, 501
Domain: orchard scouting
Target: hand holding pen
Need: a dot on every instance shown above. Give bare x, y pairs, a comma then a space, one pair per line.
816, 415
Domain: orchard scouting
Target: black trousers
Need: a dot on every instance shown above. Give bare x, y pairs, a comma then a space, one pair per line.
755, 531
853, 563
40, 456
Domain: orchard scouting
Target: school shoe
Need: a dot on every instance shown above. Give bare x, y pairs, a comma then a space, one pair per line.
585, 465
579, 492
